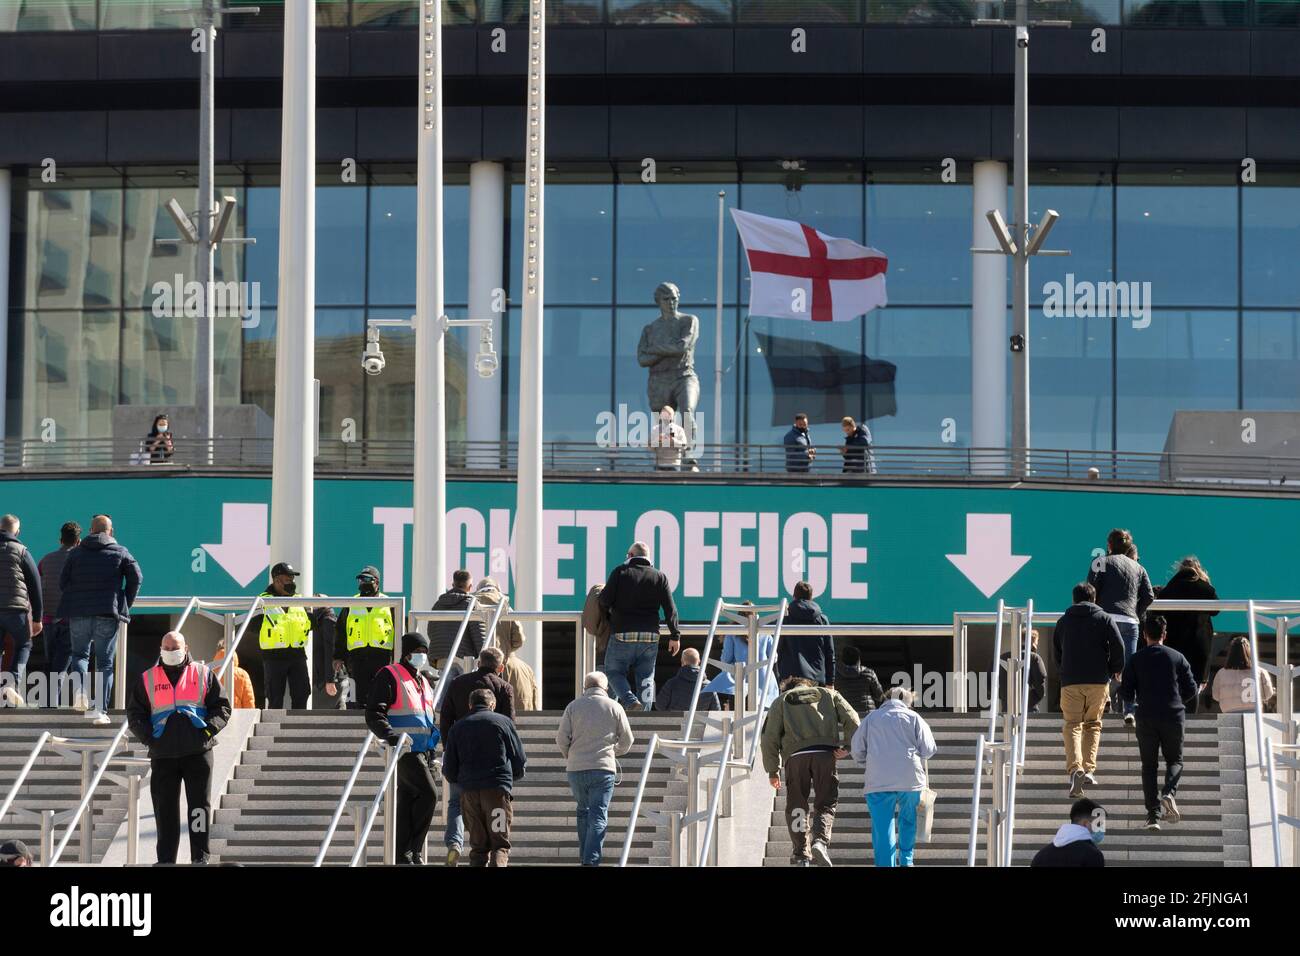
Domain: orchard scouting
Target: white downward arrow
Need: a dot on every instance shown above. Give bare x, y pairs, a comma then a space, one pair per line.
244, 550
988, 562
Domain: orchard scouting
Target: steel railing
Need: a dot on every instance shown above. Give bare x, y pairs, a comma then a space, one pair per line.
363, 832
901, 461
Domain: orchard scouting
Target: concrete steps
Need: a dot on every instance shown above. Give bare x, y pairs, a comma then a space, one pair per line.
1212, 798
55, 781
292, 771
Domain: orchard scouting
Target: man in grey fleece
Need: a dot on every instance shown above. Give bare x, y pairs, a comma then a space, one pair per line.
593, 732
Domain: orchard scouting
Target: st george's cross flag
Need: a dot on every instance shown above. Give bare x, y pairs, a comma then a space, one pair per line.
797, 272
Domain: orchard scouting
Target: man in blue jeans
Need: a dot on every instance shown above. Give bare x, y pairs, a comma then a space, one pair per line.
100, 580
633, 596
593, 733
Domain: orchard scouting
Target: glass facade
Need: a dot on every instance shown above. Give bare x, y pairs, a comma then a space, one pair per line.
1213, 322
63, 15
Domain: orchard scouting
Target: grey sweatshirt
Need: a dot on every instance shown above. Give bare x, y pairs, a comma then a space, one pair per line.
891, 743
593, 731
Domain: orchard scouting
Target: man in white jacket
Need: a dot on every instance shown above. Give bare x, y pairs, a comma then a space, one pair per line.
593, 732
893, 743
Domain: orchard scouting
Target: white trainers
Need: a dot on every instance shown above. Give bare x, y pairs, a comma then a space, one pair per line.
10, 697
821, 856
99, 718
80, 704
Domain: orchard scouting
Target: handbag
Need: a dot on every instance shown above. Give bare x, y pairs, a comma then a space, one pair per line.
925, 809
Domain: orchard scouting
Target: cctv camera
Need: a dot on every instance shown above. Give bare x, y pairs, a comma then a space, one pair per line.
372, 360
1022, 38
485, 363
1017, 343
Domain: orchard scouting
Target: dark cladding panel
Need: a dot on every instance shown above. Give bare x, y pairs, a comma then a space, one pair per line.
36, 57
255, 135
1060, 51
770, 50
148, 55
799, 132
657, 50
1273, 135
1187, 52
163, 136
672, 132
572, 132
1182, 134
927, 132
1274, 53
1061, 133
929, 50
67, 138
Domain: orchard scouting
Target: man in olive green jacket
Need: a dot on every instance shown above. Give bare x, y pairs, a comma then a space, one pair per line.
807, 729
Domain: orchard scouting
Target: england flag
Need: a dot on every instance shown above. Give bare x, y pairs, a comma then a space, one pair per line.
797, 272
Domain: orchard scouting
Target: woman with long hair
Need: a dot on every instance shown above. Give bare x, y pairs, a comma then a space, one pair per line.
1124, 592
1190, 632
1239, 684
158, 443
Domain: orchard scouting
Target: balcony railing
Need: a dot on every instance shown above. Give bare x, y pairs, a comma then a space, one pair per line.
395, 457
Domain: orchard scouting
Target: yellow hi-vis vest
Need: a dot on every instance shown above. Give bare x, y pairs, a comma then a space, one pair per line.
283, 627
370, 627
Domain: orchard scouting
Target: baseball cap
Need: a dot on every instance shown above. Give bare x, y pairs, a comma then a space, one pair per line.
369, 571
284, 567
12, 851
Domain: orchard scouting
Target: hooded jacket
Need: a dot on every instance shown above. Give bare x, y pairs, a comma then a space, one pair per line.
812, 657
859, 686
443, 633
99, 579
1087, 645
803, 718
180, 738
1191, 633
593, 732
1072, 846
678, 690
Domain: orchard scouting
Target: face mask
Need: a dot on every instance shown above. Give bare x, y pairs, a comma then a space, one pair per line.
290, 589
173, 658
1098, 836
368, 587
419, 661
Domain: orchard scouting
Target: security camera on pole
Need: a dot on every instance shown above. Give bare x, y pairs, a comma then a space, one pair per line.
1019, 244
429, 490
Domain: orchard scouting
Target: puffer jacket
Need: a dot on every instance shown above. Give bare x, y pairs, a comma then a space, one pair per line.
99, 579
243, 697
1122, 585
859, 686
805, 717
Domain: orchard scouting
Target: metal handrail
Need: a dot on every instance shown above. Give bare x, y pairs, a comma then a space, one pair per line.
90, 792
719, 609
229, 660
41, 741
637, 797
1021, 726
1291, 758
1258, 709
394, 753
711, 817
768, 666
976, 787
348, 786
455, 644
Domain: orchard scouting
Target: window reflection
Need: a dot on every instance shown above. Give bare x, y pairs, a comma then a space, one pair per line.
1270, 346
924, 228
1070, 380
579, 239
46, 15
1270, 245
576, 373
74, 248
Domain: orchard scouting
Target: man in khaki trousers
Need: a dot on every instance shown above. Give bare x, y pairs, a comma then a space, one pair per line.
1089, 653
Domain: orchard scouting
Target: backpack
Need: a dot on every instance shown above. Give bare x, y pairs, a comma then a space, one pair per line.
595, 619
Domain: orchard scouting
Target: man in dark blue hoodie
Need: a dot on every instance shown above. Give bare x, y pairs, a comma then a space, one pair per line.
811, 656
1161, 680
100, 580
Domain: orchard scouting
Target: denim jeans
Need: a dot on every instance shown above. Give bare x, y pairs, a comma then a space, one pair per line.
622, 656
18, 625
101, 632
881, 806
1128, 635
455, 832
58, 652
592, 791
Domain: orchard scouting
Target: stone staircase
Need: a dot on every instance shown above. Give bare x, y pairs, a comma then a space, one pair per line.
55, 781
291, 775
1212, 798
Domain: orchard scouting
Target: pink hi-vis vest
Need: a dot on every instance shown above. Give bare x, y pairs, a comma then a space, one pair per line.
412, 712
185, 697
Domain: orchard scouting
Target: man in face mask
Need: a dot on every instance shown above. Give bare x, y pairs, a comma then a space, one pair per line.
282, 634
176, 710
369, 631
401, 702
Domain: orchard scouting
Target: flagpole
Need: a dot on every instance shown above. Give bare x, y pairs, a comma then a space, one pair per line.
717, 352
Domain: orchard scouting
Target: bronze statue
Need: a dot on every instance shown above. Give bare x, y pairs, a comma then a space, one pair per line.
667, 349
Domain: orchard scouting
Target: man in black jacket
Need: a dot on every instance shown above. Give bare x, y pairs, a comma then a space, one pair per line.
857, 684
21, 599
1088, 653
455, 706
442, 634
1161, 680
811, 657
1076, 842
176, 709
391, 712
634, 595
678, 690
484, 757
